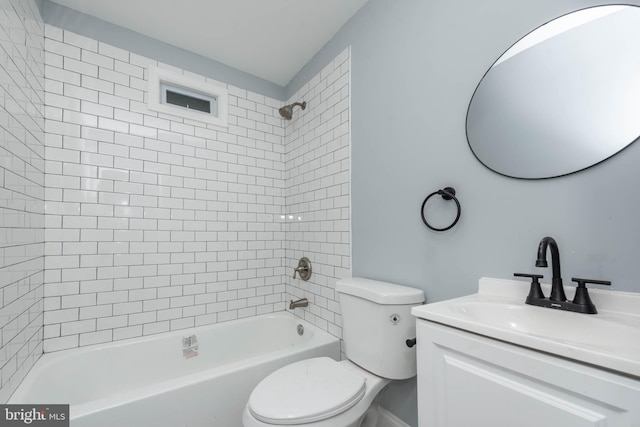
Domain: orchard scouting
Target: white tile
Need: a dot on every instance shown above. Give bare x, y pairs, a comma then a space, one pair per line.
121, 248
102, 61
96, 260
115, 150
60, 316
142, 318
155, 328
62, 343
83, 42
90, 338
143, 131
127, 332
113, 125
128, 116
53, 32
96, 235
112, 297
127, 308
97, 84
61, 101
112, 323
62, 49
96, 184
113, 52
80, 67
81, 196
51, 331
94, 159
113, 101
129, 93
72, 328
75, 91
113, 76
112, 272
96, 210
78, 274
58, 74
129, 69
183, 323
62, 155
114, 174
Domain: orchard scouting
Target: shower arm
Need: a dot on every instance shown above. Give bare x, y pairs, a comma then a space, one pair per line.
287, 111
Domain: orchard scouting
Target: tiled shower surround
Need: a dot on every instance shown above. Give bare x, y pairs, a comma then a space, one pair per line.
22, 190
317, 165
156, 223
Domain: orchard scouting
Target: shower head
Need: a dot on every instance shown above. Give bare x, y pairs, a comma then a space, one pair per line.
287, 111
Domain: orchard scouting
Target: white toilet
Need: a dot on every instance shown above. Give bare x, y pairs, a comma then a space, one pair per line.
320, 392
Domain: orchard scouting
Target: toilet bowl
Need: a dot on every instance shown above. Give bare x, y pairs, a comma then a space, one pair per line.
317, 392
322, 392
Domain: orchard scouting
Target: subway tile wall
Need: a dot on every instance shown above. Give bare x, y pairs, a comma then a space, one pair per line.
153, 222
317, 177
156, 223
22, 191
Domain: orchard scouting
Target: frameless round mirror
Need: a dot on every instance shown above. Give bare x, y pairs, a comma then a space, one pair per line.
563, 98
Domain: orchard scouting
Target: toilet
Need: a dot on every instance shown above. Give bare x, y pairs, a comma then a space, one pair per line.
321, 392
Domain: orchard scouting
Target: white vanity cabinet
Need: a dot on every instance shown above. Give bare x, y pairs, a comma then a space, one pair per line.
469, 380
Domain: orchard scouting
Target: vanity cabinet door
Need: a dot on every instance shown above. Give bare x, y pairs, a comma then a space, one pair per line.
467, 380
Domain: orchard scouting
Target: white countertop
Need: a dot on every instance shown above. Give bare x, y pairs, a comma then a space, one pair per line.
609, 339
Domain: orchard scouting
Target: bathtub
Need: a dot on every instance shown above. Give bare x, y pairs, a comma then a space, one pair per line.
173, 379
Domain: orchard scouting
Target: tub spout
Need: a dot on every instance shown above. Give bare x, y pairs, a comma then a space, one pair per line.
300, 303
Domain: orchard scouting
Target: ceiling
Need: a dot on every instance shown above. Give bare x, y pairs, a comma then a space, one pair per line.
271, 39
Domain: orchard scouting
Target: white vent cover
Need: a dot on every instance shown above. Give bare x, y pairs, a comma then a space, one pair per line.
188, 97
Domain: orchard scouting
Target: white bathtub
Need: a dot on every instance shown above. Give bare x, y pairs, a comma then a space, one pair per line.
149, 382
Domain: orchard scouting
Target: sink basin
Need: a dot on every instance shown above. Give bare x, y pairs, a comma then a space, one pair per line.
589, 331
610, 339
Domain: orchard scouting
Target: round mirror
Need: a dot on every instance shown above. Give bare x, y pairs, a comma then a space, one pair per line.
563, 98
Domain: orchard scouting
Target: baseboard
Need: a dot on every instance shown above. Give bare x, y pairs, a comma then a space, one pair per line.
387, 419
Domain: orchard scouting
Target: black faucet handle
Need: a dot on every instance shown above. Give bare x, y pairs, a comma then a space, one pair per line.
534, 277
582, 282
582, 298
535, 292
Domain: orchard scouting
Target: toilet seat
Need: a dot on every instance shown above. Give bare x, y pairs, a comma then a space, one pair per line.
306, 391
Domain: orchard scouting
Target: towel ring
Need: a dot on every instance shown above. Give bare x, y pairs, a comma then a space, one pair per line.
448, 193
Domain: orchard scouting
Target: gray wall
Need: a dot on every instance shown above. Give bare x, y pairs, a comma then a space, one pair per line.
415, 65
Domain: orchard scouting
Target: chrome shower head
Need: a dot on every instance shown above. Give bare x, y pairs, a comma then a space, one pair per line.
287, 111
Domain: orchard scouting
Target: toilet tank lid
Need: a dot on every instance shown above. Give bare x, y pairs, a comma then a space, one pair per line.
380, 292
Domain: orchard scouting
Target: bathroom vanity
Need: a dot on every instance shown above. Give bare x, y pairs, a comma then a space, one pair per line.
489, 360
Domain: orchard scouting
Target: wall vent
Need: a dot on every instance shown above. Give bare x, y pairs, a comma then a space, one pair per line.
185, 96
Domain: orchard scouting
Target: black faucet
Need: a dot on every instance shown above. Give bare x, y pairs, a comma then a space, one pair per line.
558, 300
557, 289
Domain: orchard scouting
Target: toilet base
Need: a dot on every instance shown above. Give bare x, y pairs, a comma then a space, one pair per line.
370, 418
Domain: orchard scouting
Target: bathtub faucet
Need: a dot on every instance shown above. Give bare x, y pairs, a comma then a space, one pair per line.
300, 303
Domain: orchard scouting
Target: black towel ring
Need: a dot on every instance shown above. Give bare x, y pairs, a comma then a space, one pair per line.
447, 193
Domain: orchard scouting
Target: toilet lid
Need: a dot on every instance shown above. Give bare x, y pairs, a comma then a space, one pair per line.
306, 391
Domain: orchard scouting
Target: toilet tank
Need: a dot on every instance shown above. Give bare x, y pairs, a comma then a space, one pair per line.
376, 322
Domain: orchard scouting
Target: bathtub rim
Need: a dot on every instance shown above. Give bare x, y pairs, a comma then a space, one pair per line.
320, 338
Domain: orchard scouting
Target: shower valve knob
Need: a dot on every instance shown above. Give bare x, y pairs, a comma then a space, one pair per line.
303, 269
